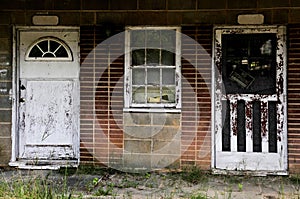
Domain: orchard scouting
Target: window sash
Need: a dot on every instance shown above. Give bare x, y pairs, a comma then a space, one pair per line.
133, 83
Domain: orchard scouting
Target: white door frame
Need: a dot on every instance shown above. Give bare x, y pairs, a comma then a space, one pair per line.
14, 93
216, 96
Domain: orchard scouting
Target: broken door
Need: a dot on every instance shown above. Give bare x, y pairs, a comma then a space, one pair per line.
250, 99
48, 96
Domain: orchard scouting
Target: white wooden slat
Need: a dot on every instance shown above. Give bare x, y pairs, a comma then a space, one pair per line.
233, 125
249, 126
264, 127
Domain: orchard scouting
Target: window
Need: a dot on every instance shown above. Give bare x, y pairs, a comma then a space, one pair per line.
152, 67
48, 49
250, 63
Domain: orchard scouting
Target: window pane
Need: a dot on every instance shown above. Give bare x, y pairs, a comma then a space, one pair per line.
43, 45
138, 76
168, 40
153, 94
153, 76
153, 39
167, 58
49, 55
152, 57
168, 94
54, 45
61, 52
138, 94
168, 76
138, 57
35, 52
137, 38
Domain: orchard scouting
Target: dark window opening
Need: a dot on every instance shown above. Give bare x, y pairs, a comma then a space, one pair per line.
249, 63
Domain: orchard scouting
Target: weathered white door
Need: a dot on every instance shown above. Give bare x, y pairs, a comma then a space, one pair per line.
48, 97
250, 99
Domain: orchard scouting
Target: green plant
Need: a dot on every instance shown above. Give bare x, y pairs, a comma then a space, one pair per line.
199, 196
194, 175
38, 187
105, 190
240, 187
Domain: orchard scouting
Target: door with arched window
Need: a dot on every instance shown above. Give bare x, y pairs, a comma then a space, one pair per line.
47, 99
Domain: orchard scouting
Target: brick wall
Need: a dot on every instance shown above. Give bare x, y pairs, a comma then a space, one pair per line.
103, 136
293, 98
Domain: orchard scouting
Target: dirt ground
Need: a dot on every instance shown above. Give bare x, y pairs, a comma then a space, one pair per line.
93, 183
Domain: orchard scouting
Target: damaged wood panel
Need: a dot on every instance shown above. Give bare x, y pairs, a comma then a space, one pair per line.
48, 117
261, 103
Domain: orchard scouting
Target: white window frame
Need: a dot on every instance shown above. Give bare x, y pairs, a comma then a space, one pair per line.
62, 45
152, 107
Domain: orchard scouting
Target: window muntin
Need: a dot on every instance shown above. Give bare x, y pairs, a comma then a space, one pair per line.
48, 49
153, 67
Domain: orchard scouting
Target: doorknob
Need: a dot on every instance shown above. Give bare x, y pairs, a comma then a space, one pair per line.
22, 100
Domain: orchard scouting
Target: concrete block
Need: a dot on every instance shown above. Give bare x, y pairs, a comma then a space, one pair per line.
166, 147
5, 102
87, 18
120, 5
165, 161
137, 119
66, 5
166, 133
5, 130
182, 5
18, 18
137, 162
137, 132
5, 46
271, 3
95, 5
5, 150
5, 73
280, 16
152, 4
233, 4
5, 59
5, 18
69, 18
137, 146
5, 116
217, 4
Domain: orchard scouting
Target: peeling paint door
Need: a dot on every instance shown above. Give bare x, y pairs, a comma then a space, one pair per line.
250, 99
48, 100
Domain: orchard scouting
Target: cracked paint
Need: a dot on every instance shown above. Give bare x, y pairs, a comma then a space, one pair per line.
225, 159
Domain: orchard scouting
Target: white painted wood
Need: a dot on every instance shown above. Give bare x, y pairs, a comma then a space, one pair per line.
48, 100
233, 125
264, 127
249, 160
249, 126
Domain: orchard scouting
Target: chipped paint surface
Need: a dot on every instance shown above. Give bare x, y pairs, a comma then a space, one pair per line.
47, 97
234, 159
47, 118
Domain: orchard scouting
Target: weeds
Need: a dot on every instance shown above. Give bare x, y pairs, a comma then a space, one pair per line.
194, 175
37, 187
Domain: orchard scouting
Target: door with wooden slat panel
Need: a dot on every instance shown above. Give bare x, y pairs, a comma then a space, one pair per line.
250, 99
